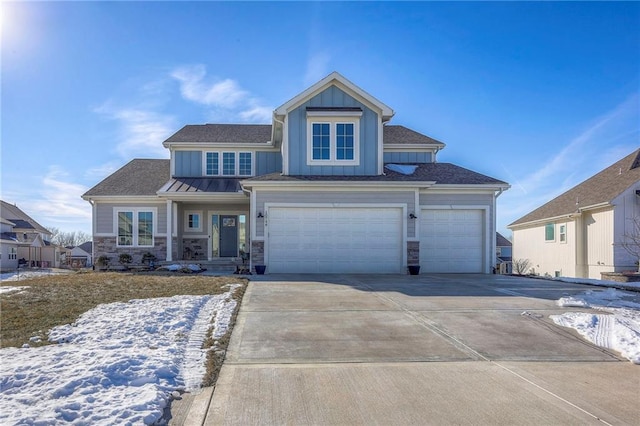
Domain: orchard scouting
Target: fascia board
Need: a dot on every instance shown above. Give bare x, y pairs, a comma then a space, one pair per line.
568, 216
202, 196
122, 199
481, 187
412, 148
343, 83
335, 185
178, 146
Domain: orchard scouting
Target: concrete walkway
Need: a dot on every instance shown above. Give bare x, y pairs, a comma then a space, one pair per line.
413, 350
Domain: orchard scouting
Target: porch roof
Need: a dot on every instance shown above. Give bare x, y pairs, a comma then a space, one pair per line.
209, 185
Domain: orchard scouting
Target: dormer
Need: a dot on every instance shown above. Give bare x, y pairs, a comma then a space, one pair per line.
333, 128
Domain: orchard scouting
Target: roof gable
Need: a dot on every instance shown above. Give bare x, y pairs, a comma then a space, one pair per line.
342, 83
602, 187
20, 219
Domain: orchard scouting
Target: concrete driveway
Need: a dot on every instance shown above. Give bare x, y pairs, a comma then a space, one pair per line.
414, 350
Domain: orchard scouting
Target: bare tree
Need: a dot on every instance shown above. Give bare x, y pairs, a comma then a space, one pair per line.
68, 239
521, 266
631, 239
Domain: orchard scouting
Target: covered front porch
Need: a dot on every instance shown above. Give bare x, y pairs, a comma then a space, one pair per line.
208, 219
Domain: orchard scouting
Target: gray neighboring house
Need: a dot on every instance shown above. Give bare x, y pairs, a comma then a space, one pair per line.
504, 254
581, 232
81, 256
328, 187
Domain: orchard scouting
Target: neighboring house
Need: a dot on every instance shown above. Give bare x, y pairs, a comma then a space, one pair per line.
328, 187
80, 256
34, 245
8, 246
581, 232
503, 254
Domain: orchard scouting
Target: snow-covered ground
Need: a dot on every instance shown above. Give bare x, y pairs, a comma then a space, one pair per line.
25, 274
119, 363
615, 324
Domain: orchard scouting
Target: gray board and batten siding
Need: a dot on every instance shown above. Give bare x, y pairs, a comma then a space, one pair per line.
105, 216
408, 157
332, 97
189, 163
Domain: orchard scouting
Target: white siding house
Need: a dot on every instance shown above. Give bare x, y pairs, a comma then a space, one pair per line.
582, 232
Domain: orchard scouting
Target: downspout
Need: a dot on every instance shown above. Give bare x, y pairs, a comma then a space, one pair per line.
493, 234
282, 142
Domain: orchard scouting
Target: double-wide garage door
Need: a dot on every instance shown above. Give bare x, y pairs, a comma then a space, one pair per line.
334, 240
452, 240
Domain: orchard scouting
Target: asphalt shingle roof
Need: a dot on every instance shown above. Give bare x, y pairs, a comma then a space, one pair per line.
138, 177
600, 188
441, 173
223, 133
261, 133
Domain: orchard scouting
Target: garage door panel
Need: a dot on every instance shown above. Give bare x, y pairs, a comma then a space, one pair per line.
451, 240
335, 240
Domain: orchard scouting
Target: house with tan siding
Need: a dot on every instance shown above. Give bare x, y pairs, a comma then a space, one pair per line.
582, 232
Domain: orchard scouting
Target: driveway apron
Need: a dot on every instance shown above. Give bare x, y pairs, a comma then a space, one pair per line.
414, 350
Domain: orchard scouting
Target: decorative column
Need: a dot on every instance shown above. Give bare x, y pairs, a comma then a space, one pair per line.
169, 256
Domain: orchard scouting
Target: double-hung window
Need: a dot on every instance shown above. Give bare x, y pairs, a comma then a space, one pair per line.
193, 221
228, 163
333, 138
135, 227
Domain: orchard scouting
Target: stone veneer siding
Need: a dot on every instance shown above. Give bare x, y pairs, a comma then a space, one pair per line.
413, 252
194, 249
106, 246
257, 252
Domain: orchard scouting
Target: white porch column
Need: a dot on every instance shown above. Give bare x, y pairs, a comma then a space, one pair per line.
169, 231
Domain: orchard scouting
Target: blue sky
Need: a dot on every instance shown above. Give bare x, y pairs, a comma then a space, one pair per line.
541, 95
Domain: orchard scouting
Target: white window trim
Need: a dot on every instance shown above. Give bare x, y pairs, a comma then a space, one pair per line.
135, 211
204, 163
561, 234
236, 163
333, 120
186, 220
545, 233
251, 171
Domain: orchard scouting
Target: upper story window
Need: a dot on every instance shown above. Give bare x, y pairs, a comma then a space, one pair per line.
228, 163
333, 136
563, 233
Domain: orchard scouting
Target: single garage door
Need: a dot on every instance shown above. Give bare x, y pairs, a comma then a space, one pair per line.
451, 240
334, 240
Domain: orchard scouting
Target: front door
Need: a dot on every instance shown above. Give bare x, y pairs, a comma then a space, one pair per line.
228, 236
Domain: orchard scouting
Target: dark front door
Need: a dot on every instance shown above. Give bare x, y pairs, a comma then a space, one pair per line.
228, 236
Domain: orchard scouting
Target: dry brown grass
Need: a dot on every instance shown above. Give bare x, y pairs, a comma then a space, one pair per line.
60, 299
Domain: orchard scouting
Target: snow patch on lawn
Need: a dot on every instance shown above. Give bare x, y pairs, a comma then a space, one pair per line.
615, 326
117, 364
10, 289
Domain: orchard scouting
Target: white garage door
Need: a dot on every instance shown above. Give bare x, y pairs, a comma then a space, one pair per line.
334, 240
451, 241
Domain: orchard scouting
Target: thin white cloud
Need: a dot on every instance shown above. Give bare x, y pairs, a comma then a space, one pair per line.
607, 140
317, 68
58, 202
227, 100
140, 132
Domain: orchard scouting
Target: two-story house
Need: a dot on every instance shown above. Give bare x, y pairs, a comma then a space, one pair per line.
328, 187
24, 238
